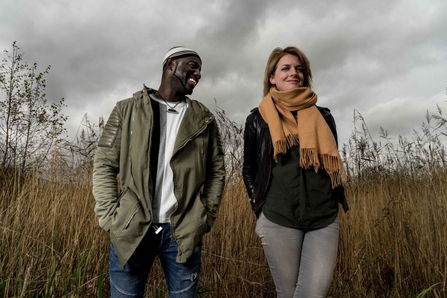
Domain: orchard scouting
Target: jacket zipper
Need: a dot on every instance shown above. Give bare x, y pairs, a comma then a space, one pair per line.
199, 131
130, 219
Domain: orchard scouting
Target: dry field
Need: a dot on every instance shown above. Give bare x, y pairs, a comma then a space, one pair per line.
393, 241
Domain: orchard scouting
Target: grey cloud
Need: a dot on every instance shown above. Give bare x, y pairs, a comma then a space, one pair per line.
363, 55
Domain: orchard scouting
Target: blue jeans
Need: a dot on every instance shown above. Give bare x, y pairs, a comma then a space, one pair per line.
181, 278
301, 261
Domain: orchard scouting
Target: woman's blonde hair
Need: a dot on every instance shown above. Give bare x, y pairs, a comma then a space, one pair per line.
272, 62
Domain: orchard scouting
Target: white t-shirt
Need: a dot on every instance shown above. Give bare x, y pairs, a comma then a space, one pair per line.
164, 198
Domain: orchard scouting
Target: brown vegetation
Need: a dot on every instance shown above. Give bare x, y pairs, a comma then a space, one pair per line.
392, 243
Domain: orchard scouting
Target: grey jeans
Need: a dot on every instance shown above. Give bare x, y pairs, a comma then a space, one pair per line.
301, 261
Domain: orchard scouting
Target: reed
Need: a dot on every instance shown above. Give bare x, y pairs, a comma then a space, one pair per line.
393, 241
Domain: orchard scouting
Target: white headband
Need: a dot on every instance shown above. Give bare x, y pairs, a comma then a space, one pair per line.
179, 51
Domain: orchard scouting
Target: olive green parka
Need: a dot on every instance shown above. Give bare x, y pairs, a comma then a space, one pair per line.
124, 151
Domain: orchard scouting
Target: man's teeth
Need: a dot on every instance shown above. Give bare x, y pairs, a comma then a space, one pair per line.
192, 80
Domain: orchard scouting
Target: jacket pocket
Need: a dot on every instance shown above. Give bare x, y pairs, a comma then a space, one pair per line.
127, 211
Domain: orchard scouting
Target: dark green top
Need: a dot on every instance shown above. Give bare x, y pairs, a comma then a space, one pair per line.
299, 198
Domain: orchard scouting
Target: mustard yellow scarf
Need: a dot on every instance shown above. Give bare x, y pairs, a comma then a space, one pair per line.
309, 130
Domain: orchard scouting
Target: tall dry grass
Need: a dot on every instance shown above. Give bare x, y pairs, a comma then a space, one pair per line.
50, 245
392, 241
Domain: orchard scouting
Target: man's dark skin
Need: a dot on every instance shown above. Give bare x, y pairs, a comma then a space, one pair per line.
180, 76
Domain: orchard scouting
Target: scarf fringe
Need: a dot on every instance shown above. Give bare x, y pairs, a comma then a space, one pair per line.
331, 164
292, 140
281, 146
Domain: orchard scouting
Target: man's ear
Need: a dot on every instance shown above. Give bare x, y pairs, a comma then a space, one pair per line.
170, 64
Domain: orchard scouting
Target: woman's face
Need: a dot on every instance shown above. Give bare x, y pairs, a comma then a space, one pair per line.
288, 74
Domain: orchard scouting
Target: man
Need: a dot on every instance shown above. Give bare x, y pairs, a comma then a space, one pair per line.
167, 151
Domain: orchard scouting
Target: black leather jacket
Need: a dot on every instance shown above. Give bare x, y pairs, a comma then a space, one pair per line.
258, 159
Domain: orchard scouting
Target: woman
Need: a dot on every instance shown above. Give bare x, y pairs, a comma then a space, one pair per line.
293, 173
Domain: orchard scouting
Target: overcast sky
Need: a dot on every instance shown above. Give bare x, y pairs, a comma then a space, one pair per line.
387, 59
